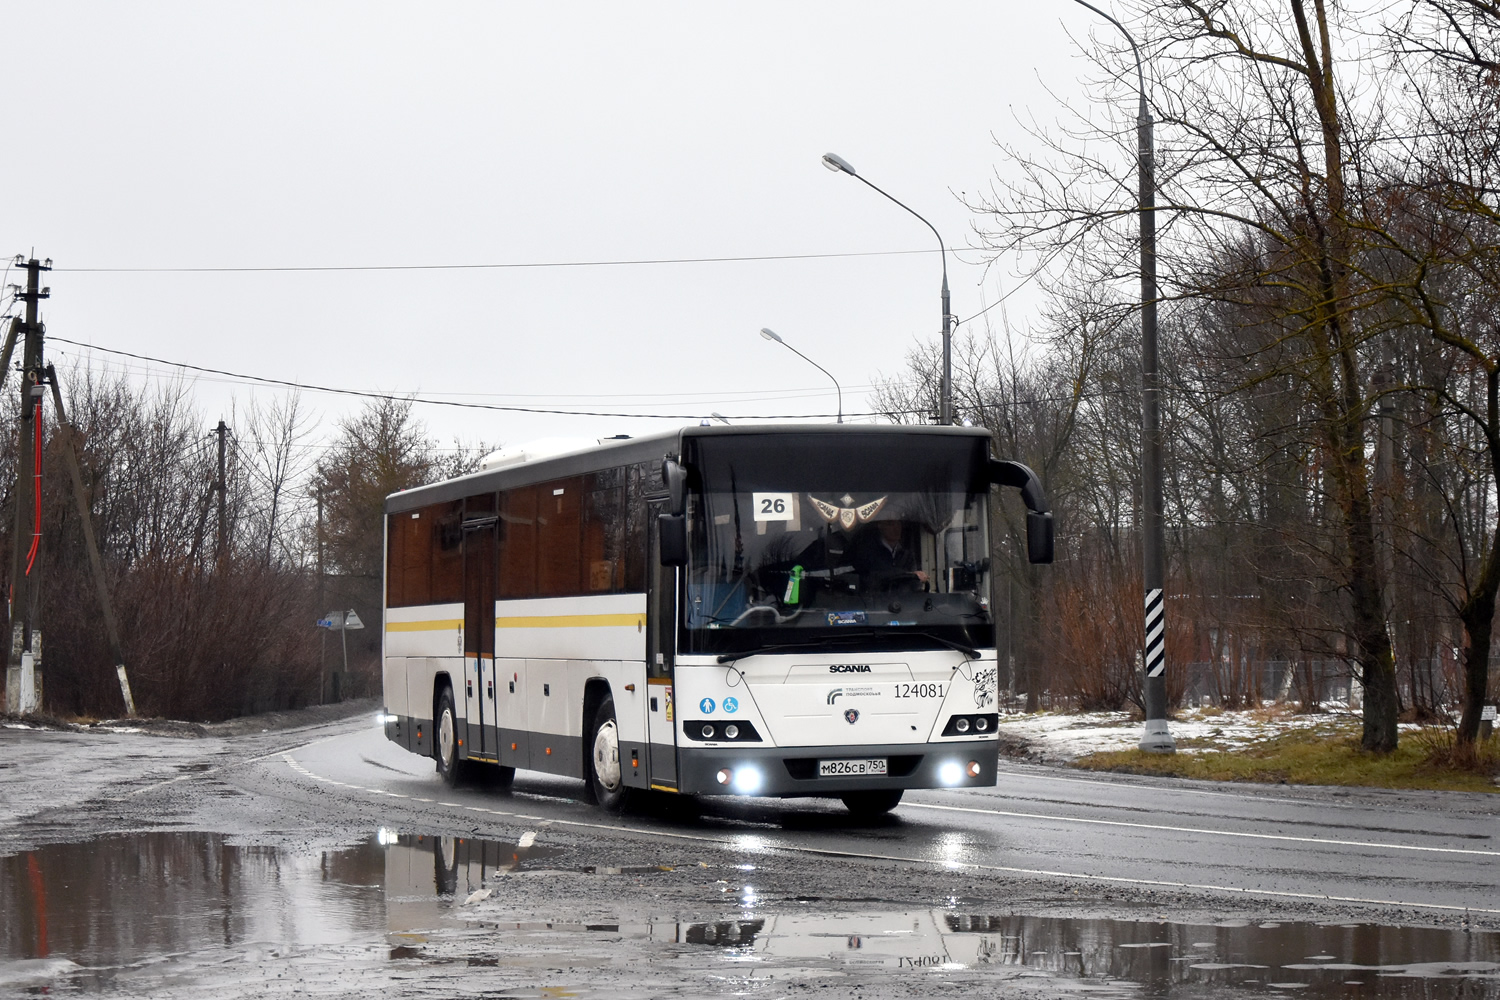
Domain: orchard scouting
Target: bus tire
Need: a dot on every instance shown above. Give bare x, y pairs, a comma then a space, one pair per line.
872, 803
606, 776
445, 740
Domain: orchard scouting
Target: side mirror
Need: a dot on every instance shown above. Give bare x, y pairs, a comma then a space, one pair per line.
1038, 537
672, 539
675, 476
1038, 519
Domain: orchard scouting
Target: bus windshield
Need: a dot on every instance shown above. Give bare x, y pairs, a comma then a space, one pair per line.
876, 539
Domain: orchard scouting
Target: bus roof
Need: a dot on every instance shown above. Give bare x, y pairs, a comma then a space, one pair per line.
613, 452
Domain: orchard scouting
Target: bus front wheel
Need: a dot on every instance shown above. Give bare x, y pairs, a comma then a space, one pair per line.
872, 803
445, 742
606, 776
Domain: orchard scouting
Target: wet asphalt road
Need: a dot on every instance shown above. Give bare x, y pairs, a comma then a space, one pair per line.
1372, 850
678, 899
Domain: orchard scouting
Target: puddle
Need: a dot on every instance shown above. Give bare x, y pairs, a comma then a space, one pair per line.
132, 912
93, 912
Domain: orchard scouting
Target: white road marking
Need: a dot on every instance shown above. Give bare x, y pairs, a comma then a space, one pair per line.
1206, 833
1177, 789
216, 770
527, 839
718, 843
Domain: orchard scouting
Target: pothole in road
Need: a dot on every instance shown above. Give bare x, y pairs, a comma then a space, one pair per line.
132, 912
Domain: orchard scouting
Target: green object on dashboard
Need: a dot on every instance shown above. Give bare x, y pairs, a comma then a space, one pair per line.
793, 587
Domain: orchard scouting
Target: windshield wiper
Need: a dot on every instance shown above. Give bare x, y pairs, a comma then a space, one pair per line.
810, 642
969, 651
815, 641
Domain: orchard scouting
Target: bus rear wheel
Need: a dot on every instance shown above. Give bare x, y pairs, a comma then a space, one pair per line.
606, 776
445, 740
872, 803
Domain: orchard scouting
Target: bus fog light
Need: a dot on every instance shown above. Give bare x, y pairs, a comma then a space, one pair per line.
708, 732
973, 768
962, 725
981, 723
731, 731
724, 775
950, 773
747, 780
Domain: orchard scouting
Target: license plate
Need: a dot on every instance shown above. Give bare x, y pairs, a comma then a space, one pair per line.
840, 768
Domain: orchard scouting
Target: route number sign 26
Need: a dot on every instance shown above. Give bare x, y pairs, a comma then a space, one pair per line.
774, 506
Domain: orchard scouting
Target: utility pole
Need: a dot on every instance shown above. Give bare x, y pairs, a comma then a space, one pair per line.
223, 547
1157, 735
323, 638
23, 675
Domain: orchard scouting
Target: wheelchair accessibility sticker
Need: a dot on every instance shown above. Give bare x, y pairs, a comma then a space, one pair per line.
731, 705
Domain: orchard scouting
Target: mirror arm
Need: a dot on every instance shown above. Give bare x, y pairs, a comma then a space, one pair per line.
1019, 475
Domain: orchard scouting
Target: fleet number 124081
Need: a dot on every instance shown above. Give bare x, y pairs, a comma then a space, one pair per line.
919, 690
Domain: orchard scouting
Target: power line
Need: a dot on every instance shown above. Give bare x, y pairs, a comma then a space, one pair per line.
413, 398
272, 269
625, 399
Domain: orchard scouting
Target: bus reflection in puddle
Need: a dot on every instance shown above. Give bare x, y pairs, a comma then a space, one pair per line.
429, 879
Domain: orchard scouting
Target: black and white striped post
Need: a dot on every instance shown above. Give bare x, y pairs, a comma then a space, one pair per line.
1156, 737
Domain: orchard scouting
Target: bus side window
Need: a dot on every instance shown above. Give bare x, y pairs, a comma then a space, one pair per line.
447, 578
518, 542
559, 516
603, 531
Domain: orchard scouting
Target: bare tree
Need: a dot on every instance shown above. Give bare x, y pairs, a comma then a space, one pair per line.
1260, 221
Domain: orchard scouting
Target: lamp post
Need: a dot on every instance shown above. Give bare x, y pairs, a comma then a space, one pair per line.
1156, 737
838, 164
773, 335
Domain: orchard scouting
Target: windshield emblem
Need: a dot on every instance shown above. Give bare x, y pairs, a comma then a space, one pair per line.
851, 715
848, 514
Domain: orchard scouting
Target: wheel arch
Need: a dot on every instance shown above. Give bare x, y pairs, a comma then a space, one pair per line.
442, 679
595, 690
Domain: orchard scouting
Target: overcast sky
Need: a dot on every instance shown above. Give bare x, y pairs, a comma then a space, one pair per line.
348, 135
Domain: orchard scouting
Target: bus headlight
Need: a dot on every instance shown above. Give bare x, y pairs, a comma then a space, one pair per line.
950, 773
747, 780
724, 775
708, 731
973, 768
962, 725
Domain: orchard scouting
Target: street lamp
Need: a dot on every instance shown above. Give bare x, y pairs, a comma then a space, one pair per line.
838, 164
773, 335
1156, 737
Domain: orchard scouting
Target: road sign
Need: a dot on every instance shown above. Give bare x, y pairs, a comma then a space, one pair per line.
338, 621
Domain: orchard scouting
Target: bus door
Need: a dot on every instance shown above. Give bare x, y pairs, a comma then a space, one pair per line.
661, 647
480, 553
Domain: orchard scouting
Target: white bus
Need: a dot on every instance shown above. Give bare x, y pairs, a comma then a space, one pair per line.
779, 611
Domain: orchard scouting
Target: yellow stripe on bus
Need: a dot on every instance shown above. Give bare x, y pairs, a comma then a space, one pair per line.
530, 621
571, 621
424, 626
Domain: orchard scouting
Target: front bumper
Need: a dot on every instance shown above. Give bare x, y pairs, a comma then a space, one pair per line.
793, 771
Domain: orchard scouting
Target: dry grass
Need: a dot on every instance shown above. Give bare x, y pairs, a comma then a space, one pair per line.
1326, 754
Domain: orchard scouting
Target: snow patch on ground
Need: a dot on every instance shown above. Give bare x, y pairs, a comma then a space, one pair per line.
1059, 737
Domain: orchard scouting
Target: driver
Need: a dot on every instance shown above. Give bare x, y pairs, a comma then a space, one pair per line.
885, 558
